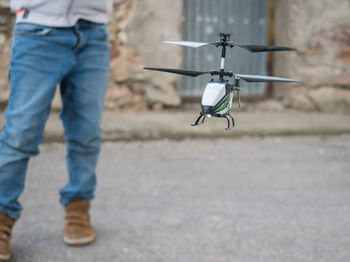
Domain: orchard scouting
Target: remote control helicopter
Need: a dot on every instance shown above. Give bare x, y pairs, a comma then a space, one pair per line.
218, 93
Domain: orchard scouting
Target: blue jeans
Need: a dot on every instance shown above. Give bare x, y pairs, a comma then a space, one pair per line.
42, 57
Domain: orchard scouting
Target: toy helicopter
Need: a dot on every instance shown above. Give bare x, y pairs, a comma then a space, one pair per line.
218, 93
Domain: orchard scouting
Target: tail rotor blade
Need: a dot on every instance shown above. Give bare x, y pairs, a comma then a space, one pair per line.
264, 48
187, 43
178, 71
257, 78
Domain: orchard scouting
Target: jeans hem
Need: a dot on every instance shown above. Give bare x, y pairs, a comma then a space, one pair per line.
12, 214
64, 200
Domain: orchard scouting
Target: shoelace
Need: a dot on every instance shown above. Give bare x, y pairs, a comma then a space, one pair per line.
5, 232
77, 218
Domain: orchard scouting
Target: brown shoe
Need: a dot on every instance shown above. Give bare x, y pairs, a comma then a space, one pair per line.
77, 227
6, 224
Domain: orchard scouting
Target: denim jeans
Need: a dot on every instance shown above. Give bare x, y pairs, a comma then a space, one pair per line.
42, 57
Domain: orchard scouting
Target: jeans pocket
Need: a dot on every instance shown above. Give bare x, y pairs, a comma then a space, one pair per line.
31, 29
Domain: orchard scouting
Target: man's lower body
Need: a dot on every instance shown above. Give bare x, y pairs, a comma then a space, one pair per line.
42, 57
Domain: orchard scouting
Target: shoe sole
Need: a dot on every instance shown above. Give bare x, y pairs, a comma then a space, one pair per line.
79, 241
4, 257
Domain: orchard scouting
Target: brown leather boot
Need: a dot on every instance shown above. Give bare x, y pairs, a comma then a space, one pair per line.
6, 224
77, 227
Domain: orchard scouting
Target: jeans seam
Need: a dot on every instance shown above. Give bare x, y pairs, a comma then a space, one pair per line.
79, 39
69, 110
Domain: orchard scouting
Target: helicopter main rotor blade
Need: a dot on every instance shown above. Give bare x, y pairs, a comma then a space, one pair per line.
264, 48
188, 43
257, 78
178, 71
251, 48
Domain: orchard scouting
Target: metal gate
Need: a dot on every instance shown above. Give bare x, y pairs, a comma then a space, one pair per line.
203, 20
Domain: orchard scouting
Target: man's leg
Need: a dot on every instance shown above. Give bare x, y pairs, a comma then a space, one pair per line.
83, 92
35, 69
39, 57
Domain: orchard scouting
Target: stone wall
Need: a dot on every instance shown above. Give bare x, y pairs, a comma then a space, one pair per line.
6, 18
320, 30
137, 28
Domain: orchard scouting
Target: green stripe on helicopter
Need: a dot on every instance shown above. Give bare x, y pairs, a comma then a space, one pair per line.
223, 104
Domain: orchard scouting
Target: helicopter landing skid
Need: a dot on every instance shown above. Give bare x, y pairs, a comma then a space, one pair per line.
198, 119
230, 121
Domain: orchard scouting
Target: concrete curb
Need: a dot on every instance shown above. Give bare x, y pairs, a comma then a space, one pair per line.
175, 125
116, 135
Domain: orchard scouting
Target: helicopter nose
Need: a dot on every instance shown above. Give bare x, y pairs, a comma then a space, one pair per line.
205, 109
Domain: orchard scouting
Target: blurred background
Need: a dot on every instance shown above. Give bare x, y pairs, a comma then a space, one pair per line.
320, 30
279, 191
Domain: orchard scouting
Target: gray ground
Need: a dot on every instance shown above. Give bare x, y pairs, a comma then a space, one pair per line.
273, 199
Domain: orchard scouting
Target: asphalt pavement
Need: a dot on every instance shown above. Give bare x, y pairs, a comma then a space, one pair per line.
219, 200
